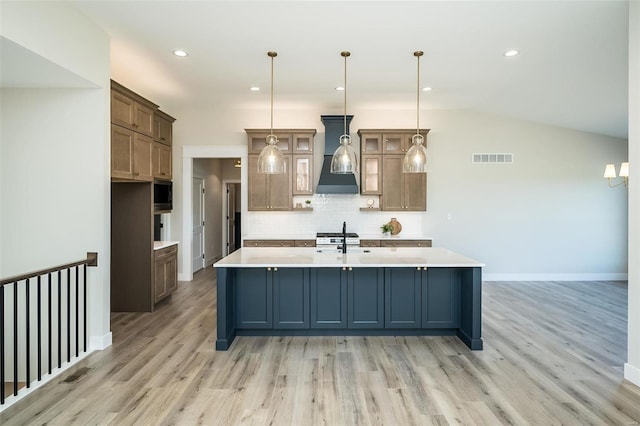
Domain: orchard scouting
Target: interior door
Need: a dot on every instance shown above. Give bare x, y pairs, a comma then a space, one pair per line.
231, 219
198, 224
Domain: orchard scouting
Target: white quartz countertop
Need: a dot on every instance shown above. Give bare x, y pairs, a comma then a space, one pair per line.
157, 245
309, 257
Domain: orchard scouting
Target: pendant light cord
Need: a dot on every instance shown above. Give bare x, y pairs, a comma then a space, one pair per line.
418, 100
272, 55
345, 55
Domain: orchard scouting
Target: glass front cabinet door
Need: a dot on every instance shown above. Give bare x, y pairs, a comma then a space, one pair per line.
371, 177
302, 174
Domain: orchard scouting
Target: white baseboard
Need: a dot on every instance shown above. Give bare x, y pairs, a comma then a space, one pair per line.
99, 343
555, 277
632, 374
184, 277
55, 372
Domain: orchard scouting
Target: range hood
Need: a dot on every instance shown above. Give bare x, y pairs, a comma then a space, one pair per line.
331, 183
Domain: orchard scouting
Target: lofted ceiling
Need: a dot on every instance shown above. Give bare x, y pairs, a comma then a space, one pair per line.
571, 70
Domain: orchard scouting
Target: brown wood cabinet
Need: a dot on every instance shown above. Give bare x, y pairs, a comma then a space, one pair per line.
162, 166
269, 243
141, 137
163, 128
402, 191
269, 191
382, 152
405, 243
165, 278
131, 110
131, 155
276, 191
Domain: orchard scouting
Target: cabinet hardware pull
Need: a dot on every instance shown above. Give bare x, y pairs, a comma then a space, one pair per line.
418, 268
275, 269
268, 269
350, 268
344, 269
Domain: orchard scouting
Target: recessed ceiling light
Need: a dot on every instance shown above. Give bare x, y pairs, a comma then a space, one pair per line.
511, 53
426, 89
180, 53
339, 88
254, 88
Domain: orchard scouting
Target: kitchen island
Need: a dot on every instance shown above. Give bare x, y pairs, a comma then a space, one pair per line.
374, 291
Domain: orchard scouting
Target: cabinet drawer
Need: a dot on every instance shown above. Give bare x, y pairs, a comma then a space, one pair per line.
305, 243
269, 243
405, 243
165, 252
369, 243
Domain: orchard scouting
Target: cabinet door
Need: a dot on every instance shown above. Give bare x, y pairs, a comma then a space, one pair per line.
371, 175
171, 271
394, 143
302, 175
122, 110
257, 185
254, 298
392, 183
328, 298
366, 298
303, 143
402, 298
143, 119
441, 298
370, 143
121, 152
159, 280
142, 157
161, 161
279, 188
415, 191
291, 298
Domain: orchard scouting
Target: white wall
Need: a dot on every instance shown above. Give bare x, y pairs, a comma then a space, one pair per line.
54, 154
550, 215
632, 367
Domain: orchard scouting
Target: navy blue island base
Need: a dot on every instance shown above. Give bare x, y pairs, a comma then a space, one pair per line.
348, 301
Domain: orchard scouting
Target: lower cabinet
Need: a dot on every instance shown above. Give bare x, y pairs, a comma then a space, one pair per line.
254, 298
403, 304
441, 298
290, 297
366, 297
328, 298
357, 298
165, 278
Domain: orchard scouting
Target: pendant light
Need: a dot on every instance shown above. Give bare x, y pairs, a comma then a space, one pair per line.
415, 160
344, 160
271, 159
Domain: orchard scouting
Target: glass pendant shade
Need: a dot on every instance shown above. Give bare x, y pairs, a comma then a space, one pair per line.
271, 159
344, 159
415, 160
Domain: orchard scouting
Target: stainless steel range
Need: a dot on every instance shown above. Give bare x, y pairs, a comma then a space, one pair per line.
334, 240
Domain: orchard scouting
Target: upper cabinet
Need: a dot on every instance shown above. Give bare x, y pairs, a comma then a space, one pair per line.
382, 152
275, 192
141, 137
163, 128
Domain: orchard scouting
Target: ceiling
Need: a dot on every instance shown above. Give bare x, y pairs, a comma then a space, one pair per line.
571, 70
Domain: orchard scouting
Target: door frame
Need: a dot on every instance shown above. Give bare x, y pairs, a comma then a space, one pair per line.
225, 231
203, 212
189, 152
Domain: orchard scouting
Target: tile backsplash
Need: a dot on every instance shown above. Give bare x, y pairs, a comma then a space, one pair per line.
329, 211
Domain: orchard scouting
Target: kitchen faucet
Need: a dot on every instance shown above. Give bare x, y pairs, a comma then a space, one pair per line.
344, 237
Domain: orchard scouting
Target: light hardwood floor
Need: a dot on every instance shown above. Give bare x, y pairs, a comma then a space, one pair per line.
553, 355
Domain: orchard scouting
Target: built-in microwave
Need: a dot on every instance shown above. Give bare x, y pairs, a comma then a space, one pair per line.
162, 196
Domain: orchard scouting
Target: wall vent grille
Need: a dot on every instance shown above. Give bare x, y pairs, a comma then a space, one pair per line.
493, 158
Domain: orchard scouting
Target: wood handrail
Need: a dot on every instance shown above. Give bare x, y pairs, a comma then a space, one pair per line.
91, 260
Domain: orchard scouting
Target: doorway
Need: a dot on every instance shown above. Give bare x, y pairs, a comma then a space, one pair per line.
231, 213
198, 224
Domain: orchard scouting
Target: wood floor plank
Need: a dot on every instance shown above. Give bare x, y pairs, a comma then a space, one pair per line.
553, 354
